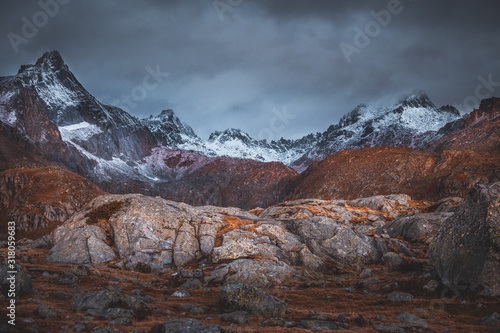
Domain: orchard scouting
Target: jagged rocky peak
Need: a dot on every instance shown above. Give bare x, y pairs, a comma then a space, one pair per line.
230, 134
450, 109
167, 113
353, 116
167, 121
49, 61
169, 130
418, 99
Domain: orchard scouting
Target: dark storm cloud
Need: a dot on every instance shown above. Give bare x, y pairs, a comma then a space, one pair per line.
234, 63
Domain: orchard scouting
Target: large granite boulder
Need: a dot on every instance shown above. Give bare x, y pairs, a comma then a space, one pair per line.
260, 247
466, 249
18, 283
262, 273
134, 227
101, 302
384, 203
415, 227
236, 296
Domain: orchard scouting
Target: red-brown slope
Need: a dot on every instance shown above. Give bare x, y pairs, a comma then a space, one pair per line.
232, 182
187, 176
481, 131
39, 200
386, 170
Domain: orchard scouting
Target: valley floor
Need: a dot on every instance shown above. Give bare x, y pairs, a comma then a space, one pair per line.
354, 303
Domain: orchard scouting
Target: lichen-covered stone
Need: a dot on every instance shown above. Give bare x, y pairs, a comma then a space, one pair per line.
21, 280
466, 249
97, 303
415, 226
260, 273
236, 296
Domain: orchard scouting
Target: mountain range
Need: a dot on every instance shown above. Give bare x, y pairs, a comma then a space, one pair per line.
49, 119
412, 122
390, 207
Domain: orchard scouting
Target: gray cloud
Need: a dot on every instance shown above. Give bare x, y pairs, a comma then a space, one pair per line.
263, 55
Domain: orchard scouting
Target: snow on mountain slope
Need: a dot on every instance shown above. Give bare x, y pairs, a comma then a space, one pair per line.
169, 130
106, 140
81, 131
412, 122
45, 104
172, 133
238, 144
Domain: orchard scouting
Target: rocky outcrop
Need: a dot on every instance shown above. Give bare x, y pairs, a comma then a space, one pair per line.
43, 197
260, 247
488, 109
101, 303
386, 204
261, 273
185, 326
127, 225
237, 296
465, 250
416, 227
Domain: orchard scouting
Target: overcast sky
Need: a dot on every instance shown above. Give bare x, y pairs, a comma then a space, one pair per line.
245, 63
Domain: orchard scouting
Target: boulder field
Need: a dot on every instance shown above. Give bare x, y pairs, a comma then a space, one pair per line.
133, 263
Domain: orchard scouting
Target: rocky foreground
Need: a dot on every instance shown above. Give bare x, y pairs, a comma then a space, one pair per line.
132, 263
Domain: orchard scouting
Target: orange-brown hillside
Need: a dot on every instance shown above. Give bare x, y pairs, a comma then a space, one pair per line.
42, 198
351, 174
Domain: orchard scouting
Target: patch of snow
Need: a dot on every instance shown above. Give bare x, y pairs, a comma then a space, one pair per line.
6, 116
81, 131
6, 97
424, 119
54, 93
172, 163
109, 169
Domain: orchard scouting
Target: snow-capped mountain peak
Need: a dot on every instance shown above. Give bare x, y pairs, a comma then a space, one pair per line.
169, 130
108, 138
48, 62
231, 134
411, 122
46, 104
418, 99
